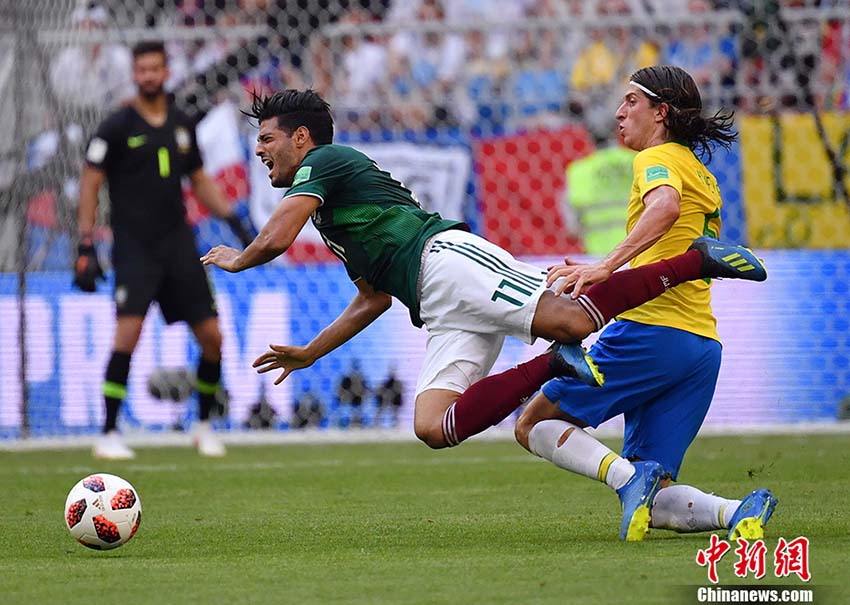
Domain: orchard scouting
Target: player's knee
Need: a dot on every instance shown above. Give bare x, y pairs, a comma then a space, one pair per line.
210, 341
431, 434
577, 327
521, 430
562, 319
215, 340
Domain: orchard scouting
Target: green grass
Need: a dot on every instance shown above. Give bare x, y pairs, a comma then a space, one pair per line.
398, 523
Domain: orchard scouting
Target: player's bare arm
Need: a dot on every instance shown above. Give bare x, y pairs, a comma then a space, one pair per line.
211, 196
209, 193
274, 239
662, 210
367, 305
90, 182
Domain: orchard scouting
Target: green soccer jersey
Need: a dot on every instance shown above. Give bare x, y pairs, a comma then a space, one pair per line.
369, 220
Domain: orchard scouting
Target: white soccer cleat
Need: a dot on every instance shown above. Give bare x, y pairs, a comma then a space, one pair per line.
207, 442
111, 447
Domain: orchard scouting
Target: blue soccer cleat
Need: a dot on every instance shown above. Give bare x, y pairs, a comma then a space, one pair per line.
572, 361
728, 260
636, 496
752, 515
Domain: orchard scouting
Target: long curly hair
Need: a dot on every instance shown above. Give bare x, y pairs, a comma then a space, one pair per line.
684, 121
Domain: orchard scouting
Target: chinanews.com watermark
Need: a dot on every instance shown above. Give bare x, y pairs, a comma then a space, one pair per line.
754, 561
754, 594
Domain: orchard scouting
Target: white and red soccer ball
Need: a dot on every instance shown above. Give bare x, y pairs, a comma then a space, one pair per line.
103, 511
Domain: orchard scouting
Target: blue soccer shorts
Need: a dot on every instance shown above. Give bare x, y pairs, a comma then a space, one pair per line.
661, 379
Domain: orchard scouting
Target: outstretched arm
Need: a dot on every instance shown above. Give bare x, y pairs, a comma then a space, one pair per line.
661, 212
274, 239
90, 182
365, 308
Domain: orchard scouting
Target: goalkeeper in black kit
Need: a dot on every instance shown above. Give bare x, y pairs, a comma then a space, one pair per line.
142, 151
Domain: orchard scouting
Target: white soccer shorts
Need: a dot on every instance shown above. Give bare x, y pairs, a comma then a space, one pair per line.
473, 294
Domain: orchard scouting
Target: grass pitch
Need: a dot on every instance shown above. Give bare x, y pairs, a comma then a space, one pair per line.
398, 523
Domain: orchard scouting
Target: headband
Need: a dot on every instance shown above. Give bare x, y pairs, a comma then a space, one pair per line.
648, 92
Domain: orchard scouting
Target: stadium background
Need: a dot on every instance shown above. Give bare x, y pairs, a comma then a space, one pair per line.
478, 107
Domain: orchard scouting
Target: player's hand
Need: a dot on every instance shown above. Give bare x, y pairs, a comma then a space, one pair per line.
576, 278
223, 257
283, 357
87, 268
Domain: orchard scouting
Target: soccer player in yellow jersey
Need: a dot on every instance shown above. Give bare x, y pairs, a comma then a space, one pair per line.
660, 360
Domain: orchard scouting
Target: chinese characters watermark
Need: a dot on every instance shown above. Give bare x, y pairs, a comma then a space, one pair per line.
789, 557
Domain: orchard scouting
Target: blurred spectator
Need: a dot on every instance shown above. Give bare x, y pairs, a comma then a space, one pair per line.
539, 86
800, 63
181, 52
484, 85
92, 77
320, 66
466, 11
388, 397
256, 12
700, 50
591, 80
602, 67
781, 58
428, 62
507, 12
614, 7
262, 415
351, 392
595, 64
755, 41
492, 54
307, 411
290, 77
361, 78
833, 78
195, 13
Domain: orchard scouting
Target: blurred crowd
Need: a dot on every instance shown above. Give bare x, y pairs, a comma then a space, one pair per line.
486, 65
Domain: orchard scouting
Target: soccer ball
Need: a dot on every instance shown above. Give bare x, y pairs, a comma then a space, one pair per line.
103, 511
171, 384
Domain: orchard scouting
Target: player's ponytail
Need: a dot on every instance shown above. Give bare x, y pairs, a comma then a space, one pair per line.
685, 122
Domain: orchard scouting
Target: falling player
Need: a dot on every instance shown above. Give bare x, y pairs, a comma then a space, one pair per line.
466, 291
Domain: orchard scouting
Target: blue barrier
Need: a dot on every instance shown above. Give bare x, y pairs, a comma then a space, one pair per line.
786, 346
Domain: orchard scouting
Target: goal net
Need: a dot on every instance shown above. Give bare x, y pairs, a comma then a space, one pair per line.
480, 108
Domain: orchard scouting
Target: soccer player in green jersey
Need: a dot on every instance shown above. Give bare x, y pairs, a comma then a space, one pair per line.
466, 291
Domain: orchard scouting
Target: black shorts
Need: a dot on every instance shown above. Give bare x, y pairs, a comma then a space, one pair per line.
167, 271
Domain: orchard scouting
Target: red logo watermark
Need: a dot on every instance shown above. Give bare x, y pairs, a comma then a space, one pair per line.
750, 558
788, 558
711, 556
792, 557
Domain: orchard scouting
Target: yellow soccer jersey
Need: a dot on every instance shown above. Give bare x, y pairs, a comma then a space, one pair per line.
687, 306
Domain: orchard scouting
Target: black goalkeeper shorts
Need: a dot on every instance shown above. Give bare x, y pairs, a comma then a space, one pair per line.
167, 271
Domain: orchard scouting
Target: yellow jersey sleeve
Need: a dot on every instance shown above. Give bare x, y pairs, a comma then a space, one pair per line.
653, 168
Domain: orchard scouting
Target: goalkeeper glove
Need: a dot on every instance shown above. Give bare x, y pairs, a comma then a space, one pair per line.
245, 234
87, 268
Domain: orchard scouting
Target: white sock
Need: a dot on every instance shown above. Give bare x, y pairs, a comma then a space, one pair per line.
686, 509
578, 452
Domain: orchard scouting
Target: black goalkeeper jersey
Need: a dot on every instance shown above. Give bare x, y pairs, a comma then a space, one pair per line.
144, 166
